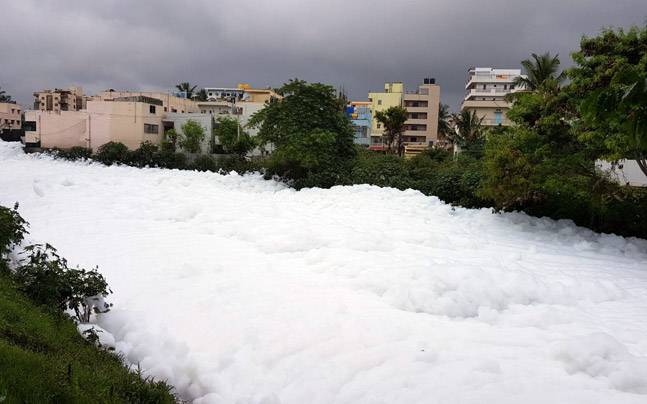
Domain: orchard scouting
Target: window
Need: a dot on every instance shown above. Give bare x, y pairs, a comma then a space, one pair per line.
379, 102
150, 128
379, 125
484, 86
151, 109
30, 126
505, 86
165, 109
498, 117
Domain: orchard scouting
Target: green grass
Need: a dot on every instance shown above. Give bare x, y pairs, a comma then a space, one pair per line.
43, 359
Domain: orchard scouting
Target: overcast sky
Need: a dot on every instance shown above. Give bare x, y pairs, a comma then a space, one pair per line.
358, 44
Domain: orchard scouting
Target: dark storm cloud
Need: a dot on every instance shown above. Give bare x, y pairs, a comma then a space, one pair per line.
154, 44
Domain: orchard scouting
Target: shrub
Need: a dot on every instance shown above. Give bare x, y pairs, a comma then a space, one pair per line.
144, 155
204, 163
48, 281
170, 159
113, 152
12, 232
192, 136
74, 153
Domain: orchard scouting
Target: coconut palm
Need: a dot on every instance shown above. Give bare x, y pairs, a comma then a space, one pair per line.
187, 88
393, 120
541, 70
444, 127
468, 128
4, 97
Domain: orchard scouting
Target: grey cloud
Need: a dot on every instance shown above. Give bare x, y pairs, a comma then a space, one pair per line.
153, 44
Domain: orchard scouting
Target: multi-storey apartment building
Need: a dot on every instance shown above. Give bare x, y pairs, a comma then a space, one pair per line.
10, 116
57, 99
485, 93
359, 113
422, 105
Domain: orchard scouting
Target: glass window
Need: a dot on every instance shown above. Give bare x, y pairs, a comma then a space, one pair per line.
498, 117
151, 109
150, 128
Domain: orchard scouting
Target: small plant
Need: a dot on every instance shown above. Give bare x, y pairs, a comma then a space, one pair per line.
112, 152
193, 135
45, 277
12, 232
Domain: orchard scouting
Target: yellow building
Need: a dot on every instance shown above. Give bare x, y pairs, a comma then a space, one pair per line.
422, 105
391, 97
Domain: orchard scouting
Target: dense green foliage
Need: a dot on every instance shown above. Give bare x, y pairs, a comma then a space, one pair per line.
43, 358
112, 153
610, 80
311, 135
233, 137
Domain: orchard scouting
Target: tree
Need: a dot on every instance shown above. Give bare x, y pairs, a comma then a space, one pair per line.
187, 88
444, 125
541, 70
308, 115
192, 136
468, 128
610, 80
233, 138
4, 97
201, 95
393, 119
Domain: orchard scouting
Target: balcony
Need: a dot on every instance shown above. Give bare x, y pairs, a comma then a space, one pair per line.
490, 78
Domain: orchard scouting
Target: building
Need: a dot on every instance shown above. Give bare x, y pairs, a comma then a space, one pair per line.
175, 120
242, 92
380, 101
129, 120
10, 116
422, 105
485, 93
359, 113
58, 99
170, 102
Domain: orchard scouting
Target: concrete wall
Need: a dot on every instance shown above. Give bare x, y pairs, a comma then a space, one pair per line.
380, 101
205, 120
101, 122
170, 102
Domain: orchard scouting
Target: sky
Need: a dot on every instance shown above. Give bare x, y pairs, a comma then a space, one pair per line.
357, 45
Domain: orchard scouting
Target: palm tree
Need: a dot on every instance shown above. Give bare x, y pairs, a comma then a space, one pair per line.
542, 70
468, 128
187, 88
444, 127
393, 120
3, 96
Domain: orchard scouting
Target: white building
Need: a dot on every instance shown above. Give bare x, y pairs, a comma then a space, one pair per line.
485, 93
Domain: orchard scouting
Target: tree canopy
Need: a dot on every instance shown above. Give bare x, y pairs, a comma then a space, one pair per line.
393, 119
610, 80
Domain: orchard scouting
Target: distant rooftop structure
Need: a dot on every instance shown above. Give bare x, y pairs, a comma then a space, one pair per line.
139, 98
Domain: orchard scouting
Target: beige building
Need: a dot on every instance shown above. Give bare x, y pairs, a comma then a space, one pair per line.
129, 120
422, 106
421, 128
170, 103
57, 99
10, 116
485, 92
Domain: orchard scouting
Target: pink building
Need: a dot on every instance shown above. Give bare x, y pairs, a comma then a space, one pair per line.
129, 120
